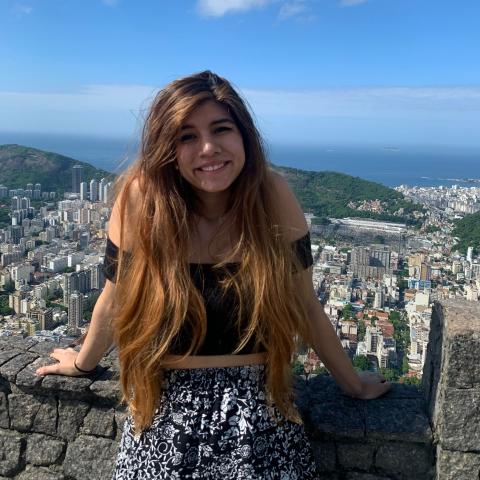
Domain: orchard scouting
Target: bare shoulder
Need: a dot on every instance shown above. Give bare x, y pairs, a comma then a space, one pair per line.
289, 210
129, 197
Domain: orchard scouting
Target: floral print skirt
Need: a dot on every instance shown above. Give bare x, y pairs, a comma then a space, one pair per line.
215, 423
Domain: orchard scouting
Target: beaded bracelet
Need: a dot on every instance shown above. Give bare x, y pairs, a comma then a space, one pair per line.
81, 369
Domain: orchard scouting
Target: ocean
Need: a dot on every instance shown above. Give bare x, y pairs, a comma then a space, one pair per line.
389, 165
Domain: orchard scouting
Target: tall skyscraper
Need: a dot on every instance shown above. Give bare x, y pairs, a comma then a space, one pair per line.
83, 190
93, 191
101, 186
469, 254
77, 178
75, 312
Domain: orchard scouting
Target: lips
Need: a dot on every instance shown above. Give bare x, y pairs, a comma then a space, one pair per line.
212, 167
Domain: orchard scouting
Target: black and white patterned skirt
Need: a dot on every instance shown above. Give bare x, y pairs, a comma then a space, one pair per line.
215, 423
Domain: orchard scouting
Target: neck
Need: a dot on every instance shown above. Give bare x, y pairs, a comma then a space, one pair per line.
213, 207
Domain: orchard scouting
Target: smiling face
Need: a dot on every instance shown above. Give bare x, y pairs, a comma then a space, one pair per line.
210, 151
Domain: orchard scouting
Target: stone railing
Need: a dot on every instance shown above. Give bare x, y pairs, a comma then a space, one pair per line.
61, 428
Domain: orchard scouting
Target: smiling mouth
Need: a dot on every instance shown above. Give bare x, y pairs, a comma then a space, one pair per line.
212, 168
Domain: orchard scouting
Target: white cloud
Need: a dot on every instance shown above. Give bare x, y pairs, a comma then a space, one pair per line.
218, 8
291, 9
351, 3
22, 9
297, 9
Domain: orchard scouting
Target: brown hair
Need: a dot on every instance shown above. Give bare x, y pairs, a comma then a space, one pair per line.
155, 293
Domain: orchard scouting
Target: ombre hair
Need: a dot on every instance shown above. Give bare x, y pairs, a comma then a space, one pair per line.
155, 294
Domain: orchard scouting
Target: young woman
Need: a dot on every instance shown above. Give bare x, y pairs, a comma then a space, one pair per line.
209, 285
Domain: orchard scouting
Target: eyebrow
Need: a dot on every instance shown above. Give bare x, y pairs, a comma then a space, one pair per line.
215, 122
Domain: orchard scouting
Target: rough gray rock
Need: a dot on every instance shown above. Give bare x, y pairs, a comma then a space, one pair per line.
408, 461
70, 417
457, 465
356, 455
4, 420
34, 473
99, 422
459, 426
365, 476
324, 454
46, 419
10, 369
11, 445
43, 450
90, 457
23, 409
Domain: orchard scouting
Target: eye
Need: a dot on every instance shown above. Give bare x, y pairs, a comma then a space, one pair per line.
186, 137
222, 129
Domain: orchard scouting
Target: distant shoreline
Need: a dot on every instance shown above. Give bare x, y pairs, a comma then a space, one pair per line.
386, 164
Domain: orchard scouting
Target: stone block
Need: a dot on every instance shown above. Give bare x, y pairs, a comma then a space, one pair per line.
398, 419
4, 419
46, 419
405, 461
23, 410
342, 419
68, 387
99, 422
107, 388
11, 446
10, 369
356, 455
43, 450
90, 457
70, 418
457, 465
458, 422
43, 348
9, 354
28, 380
462, 365
35, 473
325, 457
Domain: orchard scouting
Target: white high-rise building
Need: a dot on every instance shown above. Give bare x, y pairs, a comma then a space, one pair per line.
83, 191
93, 190
75, 312
101, 186
469, 254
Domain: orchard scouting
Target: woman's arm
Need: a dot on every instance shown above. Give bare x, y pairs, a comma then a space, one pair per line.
323, 337
98, 340
100, 334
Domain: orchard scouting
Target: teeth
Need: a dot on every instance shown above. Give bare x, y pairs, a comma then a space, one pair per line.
212, 168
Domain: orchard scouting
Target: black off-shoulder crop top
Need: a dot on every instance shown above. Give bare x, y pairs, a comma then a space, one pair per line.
222, 335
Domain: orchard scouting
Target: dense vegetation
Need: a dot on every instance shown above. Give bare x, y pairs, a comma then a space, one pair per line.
327, 194
20, 165
468, 231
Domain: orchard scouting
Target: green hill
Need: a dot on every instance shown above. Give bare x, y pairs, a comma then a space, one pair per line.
20, 165
328, 194
325, 194
468, 231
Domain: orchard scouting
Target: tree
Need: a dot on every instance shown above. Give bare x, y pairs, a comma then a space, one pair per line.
4, 308
390, 374
320, 370
298, 368
411, 381
360, 362
9, 287
347, 312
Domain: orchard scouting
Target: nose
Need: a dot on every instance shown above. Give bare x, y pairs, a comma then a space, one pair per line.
209, 146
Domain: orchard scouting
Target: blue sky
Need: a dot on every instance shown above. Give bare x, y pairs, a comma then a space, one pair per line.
314, 71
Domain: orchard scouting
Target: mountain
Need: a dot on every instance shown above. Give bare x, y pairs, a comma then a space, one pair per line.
20, 165
337, 195
468, 231
326, 194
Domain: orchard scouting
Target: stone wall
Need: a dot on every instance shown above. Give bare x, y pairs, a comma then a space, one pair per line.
62, 428
452, 388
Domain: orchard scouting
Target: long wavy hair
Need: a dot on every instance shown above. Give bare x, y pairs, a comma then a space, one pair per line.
155, 294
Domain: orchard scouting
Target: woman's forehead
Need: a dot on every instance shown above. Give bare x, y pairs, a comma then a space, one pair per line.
207, 111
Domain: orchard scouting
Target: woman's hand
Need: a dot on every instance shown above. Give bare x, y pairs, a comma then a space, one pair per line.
374, 385
65, 366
